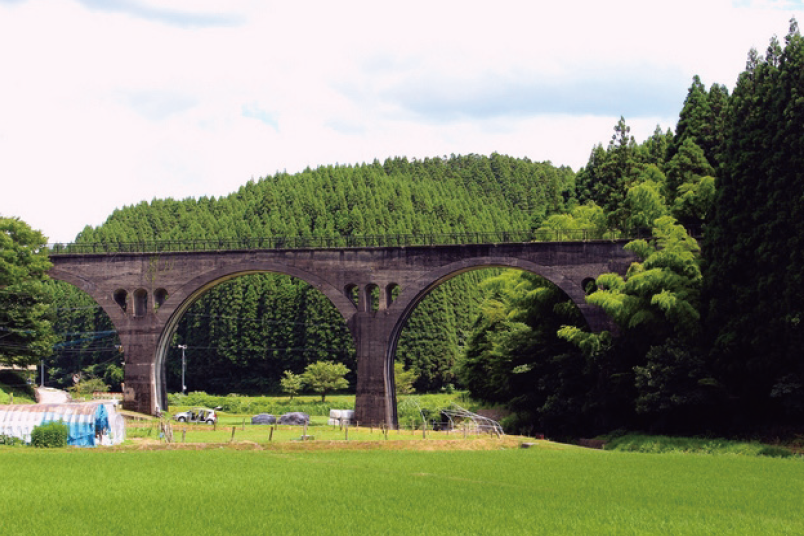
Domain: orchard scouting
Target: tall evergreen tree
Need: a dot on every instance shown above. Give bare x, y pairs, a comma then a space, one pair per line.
755, 244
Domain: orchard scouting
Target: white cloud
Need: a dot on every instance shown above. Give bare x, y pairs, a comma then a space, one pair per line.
106, 104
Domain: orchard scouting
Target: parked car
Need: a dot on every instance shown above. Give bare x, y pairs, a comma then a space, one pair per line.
197, 415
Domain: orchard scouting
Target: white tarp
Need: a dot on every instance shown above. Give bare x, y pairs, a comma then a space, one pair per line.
341, 416
85, 420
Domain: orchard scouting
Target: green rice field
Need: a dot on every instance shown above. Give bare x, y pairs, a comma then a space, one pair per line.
313, 488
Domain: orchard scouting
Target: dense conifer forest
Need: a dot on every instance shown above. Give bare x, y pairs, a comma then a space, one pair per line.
708, 336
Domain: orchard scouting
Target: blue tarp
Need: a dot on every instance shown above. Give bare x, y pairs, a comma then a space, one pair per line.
86, 421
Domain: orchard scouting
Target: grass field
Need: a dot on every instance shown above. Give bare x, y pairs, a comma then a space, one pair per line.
193, 433
307, 489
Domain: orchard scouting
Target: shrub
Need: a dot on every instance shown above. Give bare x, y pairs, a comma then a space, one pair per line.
88, 386
9, 440
50, 435
775, 452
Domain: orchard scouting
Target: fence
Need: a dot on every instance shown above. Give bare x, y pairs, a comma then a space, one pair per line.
340, 242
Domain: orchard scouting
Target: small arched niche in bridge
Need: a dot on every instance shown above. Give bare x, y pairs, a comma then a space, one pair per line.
352, 292
589, 285
121, 299
392, 291
160, 296
372, 298
140, 303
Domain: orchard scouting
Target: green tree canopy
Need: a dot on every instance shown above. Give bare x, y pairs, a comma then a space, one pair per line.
26, 309
325, 376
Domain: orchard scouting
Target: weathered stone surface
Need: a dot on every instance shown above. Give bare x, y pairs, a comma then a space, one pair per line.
146, 294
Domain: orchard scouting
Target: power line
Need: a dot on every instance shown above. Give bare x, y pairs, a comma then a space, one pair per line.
269, 348
266, 321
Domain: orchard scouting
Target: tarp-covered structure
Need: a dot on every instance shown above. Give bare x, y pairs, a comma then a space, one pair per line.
90, 423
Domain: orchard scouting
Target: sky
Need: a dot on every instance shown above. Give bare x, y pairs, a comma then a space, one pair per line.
107, 103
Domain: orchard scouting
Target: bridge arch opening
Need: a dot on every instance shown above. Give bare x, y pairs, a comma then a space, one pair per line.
89, 347
242, 329
436, 288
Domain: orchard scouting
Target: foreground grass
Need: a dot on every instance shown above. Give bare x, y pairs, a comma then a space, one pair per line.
548, 490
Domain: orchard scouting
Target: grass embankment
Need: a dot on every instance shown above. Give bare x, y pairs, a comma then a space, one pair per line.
557, 491
233, 428
12, 383
407, 405
693, 445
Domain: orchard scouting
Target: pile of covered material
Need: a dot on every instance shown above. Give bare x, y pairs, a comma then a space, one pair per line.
90, 423
263, 418
341, 417
294, 418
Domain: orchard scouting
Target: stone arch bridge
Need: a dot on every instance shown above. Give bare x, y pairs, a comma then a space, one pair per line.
146, 294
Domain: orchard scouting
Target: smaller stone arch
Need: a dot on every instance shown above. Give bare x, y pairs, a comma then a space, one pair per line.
589, 285
121, 298
351, 292
140, 303
373, 299
160, 296
392, 290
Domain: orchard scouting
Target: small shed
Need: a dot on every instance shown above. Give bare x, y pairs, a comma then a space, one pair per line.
90, 423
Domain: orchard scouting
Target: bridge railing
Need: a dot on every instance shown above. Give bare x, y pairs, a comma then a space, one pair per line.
354, 241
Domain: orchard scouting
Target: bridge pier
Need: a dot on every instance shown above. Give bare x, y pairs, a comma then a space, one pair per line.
140, 386
375, 400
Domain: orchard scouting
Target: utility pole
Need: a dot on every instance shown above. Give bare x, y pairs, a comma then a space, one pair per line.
183, 368
42, 376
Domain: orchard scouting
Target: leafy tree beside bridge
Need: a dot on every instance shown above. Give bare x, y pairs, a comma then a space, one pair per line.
26, 311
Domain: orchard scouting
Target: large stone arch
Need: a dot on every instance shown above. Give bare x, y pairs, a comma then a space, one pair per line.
190, 292
413, 294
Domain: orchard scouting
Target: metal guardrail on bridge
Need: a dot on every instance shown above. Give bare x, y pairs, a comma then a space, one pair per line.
332, 242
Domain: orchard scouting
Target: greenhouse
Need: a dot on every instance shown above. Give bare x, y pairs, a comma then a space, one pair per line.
90, 423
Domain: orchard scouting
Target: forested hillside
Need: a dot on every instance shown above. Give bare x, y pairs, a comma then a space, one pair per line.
243, 334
